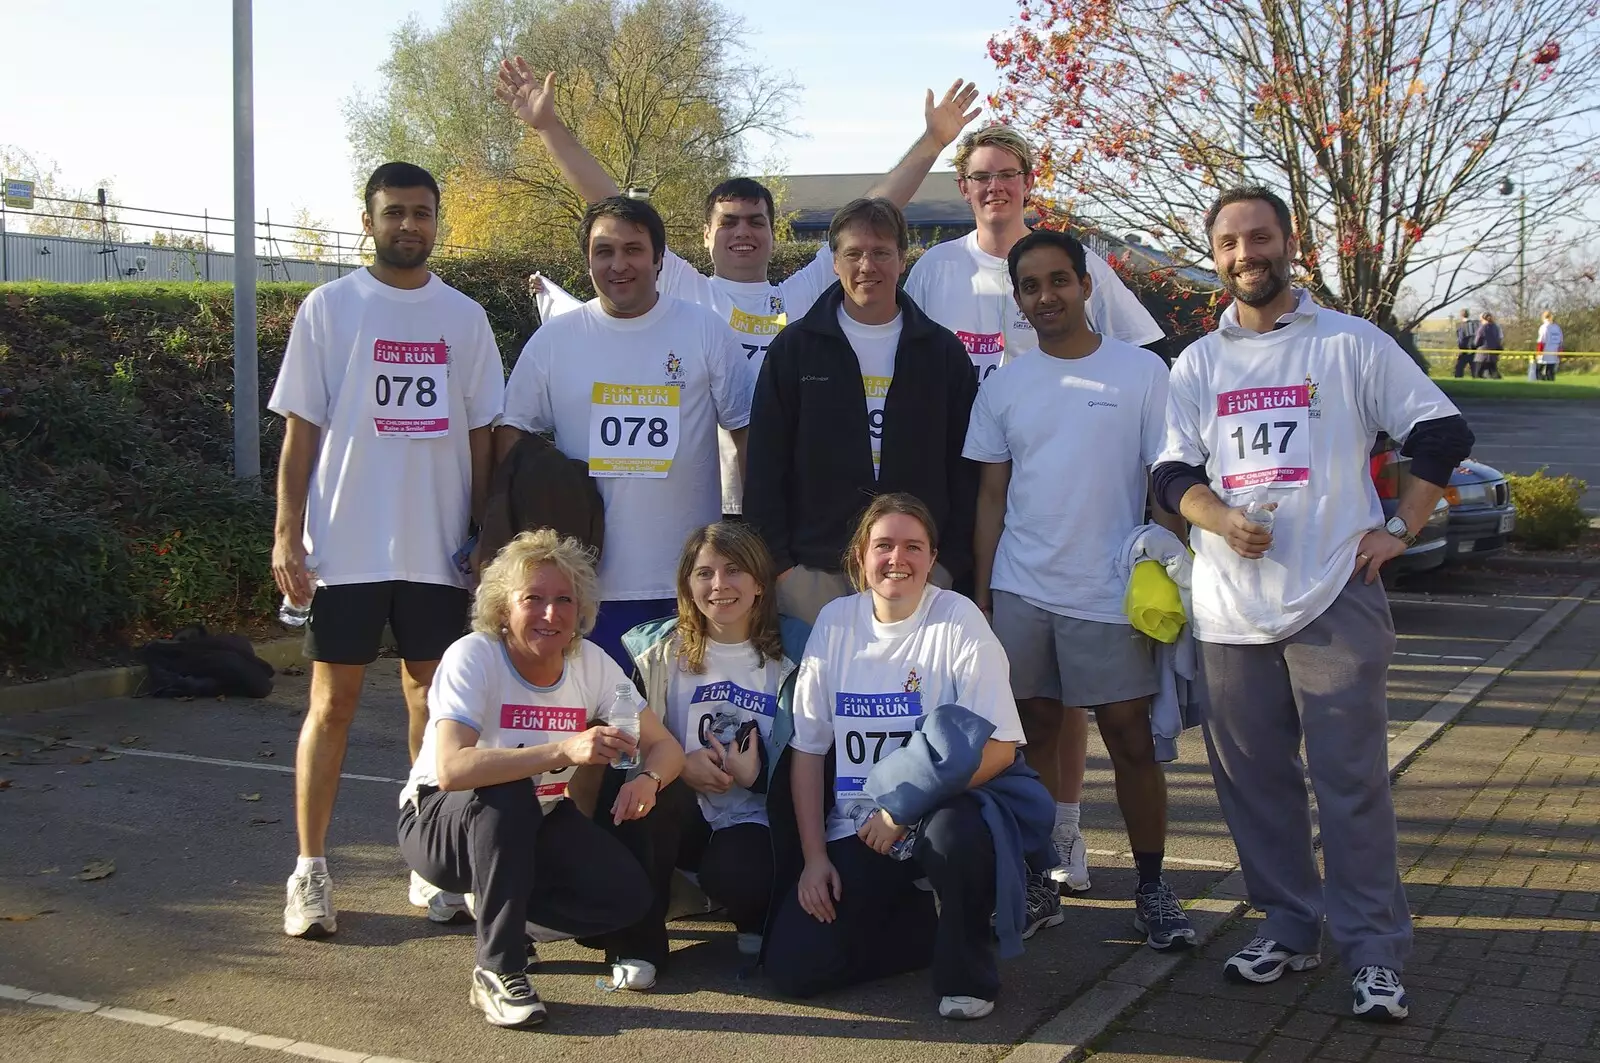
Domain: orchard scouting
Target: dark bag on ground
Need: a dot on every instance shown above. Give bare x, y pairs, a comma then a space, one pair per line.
195, 664
537, 486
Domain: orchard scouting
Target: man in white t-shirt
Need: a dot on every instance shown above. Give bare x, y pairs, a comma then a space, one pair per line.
635, 383
1549, 347
390, 386
962, 284
1065, 436
739, 221
1284, 401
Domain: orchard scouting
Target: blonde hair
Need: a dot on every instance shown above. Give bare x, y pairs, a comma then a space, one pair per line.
513, 567
994, 136
1548, 316
885, 506
741, 545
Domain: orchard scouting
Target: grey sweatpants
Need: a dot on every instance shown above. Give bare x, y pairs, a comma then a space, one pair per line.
1327, 681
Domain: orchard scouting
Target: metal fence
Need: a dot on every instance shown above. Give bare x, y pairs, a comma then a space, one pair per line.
128, 243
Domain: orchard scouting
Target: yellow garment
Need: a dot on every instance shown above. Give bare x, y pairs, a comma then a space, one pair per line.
1153, 604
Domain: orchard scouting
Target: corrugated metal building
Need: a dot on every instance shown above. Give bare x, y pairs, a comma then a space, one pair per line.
68, 260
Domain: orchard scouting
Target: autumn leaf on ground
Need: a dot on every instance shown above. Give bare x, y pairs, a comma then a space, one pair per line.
249, 797
129, 740
96, 869
80, 760
23, 917
262, 821
109, 756
5, 784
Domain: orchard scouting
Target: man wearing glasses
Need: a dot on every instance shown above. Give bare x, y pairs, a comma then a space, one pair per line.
963, 285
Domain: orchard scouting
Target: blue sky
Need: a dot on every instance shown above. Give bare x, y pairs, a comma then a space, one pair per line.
141, 93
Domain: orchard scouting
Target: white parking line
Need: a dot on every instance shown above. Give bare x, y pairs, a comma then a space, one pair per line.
286, 1045
1209, 865
1456, 604
281, 769
1442, 657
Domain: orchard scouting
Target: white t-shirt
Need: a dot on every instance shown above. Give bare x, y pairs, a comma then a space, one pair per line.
1298, 408
478, 686
1081, 435
869, 682
395, 378
731, 692
1550, 336
875, 347
968, 291
571, 377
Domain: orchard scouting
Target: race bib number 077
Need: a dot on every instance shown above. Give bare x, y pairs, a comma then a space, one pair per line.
1263, 437
867, 728
633, 429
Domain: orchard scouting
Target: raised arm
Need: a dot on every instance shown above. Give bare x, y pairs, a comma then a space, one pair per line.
945, 121
520, 89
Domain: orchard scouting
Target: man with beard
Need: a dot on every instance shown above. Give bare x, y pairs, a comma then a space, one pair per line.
1280, 406
390, 386
963, 285
1089, 410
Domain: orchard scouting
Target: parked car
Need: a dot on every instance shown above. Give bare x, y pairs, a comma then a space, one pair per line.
1390, 472
1481, 514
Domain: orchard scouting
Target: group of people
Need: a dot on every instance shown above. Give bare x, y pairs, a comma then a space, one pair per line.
1478, 347
862, 581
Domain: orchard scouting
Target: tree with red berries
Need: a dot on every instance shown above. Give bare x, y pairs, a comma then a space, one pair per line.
1423, 139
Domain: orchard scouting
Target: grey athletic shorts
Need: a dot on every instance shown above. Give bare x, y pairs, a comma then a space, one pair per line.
1082, 663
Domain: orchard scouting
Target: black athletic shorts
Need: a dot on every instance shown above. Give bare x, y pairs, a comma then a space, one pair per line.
347, 620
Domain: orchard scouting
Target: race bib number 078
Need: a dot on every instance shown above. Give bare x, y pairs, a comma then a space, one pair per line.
1263, 437
633, 430
410, 389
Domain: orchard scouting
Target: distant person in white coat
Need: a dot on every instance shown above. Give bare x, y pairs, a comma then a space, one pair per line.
1549, 348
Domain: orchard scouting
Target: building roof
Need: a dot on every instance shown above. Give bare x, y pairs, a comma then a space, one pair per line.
813, 198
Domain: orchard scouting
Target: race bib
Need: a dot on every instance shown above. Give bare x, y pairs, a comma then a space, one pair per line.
537, 725
721, 710
633, 429
756, 330
985, 349
410, 389
867, 728
877, 388
1263, 437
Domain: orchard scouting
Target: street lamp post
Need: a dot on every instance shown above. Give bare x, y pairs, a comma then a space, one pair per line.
246, 397
1507, 186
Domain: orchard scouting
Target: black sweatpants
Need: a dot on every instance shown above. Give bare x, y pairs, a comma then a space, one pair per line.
885, 925
734, 865
653, 842
557, 869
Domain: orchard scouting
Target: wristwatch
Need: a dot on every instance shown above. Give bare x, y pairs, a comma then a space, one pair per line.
1396, 527
660, 783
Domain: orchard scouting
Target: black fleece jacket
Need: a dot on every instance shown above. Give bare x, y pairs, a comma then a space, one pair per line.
809, 473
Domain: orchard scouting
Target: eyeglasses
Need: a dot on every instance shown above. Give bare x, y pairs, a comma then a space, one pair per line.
984, 177
880, 256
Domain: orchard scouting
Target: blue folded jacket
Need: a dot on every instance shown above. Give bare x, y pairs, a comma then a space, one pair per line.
936, 766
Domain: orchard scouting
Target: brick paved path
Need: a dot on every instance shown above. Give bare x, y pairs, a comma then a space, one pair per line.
1500, 836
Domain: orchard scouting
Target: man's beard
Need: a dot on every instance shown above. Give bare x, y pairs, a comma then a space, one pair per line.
1263, 291
392, 256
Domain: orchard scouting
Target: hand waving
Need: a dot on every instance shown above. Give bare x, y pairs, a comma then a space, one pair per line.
950, 115
519, 88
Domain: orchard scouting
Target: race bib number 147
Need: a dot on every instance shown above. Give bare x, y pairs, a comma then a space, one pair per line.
1263, 437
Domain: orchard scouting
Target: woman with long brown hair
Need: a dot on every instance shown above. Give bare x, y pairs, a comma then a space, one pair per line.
721, 672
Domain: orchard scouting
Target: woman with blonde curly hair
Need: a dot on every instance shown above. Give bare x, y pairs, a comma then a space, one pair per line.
513, 709
724, 670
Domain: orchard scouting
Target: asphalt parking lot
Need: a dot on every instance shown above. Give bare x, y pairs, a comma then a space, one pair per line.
201, 837
1521, 437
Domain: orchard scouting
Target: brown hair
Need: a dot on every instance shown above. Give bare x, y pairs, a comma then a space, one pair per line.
741, 545
994, 136
878, 214
884, 506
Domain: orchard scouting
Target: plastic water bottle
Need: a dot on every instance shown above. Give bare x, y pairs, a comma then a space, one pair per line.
625, 718
292, 615
862, 812
1256, 511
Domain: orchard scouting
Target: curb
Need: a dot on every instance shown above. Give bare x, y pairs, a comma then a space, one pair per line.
121, 682
1580, 565
1066, 1036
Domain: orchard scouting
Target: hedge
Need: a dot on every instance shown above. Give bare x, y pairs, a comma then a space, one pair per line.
119, 517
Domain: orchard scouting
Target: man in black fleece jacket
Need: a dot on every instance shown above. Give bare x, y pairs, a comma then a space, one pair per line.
864, 395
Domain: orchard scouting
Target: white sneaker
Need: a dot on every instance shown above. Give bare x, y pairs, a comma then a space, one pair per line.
309, 912
637, 975
749, 944
506, 999
965, 1007
1264, 960
1378, 995
1073, 871
442, 907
